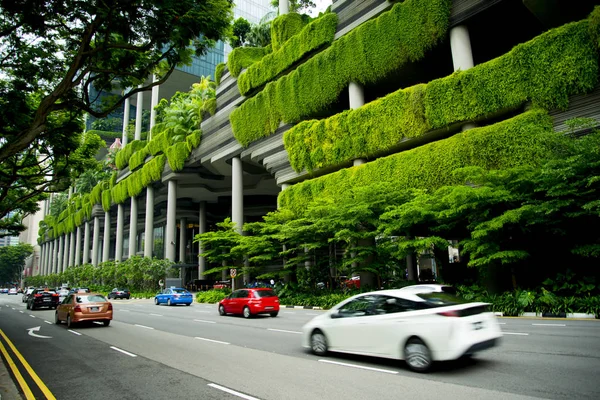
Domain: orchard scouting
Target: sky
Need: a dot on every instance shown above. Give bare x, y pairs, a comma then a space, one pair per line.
321, 6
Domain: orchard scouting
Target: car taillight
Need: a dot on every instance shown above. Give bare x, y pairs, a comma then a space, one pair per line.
176, 296
77, 308
55, 295
37, 295
453, 313
109, 306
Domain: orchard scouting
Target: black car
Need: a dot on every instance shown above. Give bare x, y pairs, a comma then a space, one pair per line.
117, 293
42, 298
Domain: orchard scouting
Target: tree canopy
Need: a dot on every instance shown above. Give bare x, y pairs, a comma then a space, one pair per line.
12, 261
58, 56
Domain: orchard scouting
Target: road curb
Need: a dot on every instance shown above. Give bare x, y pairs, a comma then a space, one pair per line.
549, 316
303, 307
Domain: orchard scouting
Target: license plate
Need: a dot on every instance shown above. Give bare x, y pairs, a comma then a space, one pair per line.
93, 309
46, 299
268, 308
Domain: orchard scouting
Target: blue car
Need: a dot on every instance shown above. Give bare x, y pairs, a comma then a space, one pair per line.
173, 296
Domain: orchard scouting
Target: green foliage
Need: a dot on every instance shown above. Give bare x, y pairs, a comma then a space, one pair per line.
375, 49
284, 27
463, 96
594, 27
522, 140
219, 72
243, 57
177, 154
12, 261
312, 37
124, 155
106, 199
240, 30
217, 245
138, 157
193, 140
212, 296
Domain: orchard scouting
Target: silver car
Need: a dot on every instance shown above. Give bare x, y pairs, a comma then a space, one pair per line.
26, 294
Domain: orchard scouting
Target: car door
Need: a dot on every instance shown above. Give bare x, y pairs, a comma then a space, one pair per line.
65, 307
235, 301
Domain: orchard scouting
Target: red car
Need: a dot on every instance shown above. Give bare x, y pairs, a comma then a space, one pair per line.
249, 302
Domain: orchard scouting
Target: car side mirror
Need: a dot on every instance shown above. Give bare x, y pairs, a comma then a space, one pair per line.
336, 314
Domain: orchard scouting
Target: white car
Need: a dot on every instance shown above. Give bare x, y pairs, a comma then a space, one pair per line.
419, 324
26, 294
12, 290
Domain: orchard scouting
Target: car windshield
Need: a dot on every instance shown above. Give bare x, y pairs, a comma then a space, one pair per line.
264, 293
179, 291
441, 299
95, 298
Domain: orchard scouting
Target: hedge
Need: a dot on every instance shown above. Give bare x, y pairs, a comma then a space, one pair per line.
521, 140
313, 37
123, 155
284, 27
243, 57
553, 66
219, 72
366, 54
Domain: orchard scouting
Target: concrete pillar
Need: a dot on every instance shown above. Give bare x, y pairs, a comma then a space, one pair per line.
86, 242
182, 240
95, 241
153, 104
106, 243
65, 260
284, 7
60, 257
460, 45
356, 94
78, 247
126, 109
119, 234
53, 257
149, 223
72, 249
133, 217
138, 115
171, 221
201, 229
358, 161
237, 194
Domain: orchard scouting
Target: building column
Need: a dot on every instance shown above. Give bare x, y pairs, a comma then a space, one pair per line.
86, 242
171, 221
153, 104
71, 250
133, 217
42, 260
149, 223
237, 202
65, 260
106, 239
182, 239
61, 254
53, 257
119, 234
284, 7
356, 94
462, 55
78, 247
95, 241
126, 109
201, 229
139, 108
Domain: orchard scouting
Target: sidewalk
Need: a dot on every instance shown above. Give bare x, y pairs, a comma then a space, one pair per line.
8, 389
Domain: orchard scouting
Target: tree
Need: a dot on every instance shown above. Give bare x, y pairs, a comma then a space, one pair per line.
58, 56
12, 261
241, 29
296, 5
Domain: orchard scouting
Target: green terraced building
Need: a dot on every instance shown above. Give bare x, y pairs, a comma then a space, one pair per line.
373, 90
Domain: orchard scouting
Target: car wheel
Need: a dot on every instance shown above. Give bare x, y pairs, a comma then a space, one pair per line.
155, 301
221, 310
417, 355
274, 314
56, 320
169, 302
318, 343
106, 322
69, 322
28, 306
32, 307
188, 304
246, 313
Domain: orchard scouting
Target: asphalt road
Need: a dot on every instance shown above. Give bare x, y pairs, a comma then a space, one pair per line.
160, 352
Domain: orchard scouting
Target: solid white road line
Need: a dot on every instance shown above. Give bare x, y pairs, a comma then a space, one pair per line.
549, 324
233, 392
123, 351
202, 311
515, 333
48, 322
282, 330
289, 312
387, 371
210, 340
124, 310
501, 323
208, 322
144, 326
156, 315
73, 332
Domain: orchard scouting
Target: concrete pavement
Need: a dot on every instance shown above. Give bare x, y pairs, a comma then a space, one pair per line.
8, 389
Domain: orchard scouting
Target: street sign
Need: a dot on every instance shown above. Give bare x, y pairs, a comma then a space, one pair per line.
161, 283
233, 272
